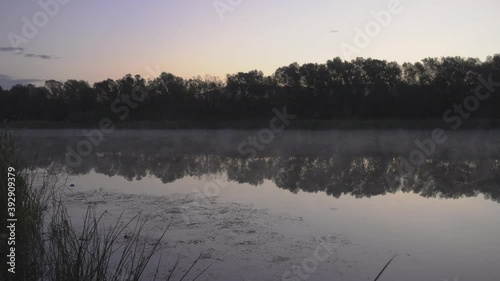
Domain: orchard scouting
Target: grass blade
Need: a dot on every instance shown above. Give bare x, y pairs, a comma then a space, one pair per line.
384, 268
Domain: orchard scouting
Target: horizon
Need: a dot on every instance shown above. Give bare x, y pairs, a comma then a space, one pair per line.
40, 83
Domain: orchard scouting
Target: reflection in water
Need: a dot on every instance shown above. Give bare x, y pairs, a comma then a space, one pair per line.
331, 165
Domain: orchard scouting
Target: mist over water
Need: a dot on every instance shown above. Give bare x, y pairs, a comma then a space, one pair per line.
440, 216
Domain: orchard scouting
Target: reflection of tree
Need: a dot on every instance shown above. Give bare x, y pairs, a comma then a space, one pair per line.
360, 175
453, 179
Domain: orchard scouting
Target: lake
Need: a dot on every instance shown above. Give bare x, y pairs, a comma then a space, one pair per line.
309, 205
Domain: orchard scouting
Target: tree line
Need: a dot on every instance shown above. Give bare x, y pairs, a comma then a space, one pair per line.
361, 89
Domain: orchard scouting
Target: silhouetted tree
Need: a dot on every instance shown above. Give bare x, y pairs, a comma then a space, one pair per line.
337, 89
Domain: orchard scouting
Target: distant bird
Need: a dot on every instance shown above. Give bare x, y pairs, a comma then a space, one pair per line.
334, 31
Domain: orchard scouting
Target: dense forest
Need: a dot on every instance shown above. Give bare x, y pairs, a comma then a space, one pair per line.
361, 89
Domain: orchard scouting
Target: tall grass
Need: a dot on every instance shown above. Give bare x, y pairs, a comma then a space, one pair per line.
30, 209
49, 247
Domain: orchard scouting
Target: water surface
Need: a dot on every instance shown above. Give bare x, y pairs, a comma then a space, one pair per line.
255, 218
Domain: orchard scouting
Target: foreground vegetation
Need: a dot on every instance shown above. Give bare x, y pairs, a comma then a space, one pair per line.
47, 245
361, 89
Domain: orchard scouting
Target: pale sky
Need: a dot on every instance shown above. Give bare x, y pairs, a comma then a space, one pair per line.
94, 39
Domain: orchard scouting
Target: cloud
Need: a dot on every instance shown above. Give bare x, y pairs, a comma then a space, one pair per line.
11, 49
45, 57
7, 82
20, 51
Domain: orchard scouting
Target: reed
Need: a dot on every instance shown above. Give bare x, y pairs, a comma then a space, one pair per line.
50, 248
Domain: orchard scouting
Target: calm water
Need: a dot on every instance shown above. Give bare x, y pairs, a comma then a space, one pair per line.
255, 218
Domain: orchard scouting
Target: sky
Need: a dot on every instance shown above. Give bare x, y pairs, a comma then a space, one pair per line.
94, 40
